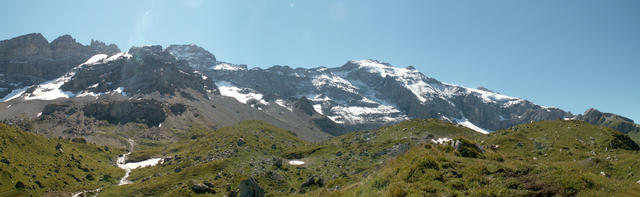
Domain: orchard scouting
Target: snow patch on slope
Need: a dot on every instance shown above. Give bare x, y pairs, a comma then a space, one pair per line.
358, 114
492, 97
241, 94
14, 94
441, 140
50, 90
283, 104
322, 80
411, 79
466, 123
225, 66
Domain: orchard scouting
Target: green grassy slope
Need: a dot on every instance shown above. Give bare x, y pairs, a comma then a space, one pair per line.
34, 165
221, 158
564, 158
548, 158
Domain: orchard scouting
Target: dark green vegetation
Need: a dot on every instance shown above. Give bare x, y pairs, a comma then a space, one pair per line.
549, 158
34, 165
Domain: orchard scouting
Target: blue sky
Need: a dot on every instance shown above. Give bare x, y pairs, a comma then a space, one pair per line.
572, 54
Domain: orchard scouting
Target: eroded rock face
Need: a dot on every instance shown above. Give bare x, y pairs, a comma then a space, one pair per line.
143, 70
149, 112
368, 93
30, 59
197, 57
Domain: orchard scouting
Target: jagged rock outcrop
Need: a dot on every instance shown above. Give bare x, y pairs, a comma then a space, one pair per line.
617, 122
197, 57
142, 70
30, 59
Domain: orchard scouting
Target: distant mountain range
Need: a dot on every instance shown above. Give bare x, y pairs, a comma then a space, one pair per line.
37, 76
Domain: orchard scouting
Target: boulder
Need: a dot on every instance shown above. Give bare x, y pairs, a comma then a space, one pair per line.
201, 188
250, 188
241, 142
312, 181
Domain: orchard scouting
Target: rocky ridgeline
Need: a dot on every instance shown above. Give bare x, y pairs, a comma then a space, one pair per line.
358, 95
142, 70
30, 59
369, 93
620, 123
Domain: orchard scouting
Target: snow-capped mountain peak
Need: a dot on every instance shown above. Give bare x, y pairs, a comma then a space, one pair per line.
370, 92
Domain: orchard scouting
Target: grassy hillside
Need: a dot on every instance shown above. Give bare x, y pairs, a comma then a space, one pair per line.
225, 157
549, 158
32, 165
564, 158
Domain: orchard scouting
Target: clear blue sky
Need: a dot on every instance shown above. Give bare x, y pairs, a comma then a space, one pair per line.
572, 54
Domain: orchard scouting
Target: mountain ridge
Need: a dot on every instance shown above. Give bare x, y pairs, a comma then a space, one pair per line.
359, 95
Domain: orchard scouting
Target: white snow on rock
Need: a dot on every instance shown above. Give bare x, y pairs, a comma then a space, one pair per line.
548, 108
87, 192
357, 114
131, 166
225, 66
118, 55
441, 140
94, 59
296, 162
283, 104
142, 164
318, 108
322, 80
468, 124
50, 90
14, 94
241, 94
412, 79
418, 84
204, 77
119, 90
492, 97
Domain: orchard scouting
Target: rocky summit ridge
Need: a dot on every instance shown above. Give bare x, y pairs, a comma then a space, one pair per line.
361, 94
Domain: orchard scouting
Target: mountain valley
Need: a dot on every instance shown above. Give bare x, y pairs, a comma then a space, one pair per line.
74, 116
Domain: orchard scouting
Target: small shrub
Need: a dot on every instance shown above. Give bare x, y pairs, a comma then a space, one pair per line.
379, 184
397, 190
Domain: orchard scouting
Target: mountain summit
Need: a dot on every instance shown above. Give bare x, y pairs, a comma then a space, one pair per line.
361, 94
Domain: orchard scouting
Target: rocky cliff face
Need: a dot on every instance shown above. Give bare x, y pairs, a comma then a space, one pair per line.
358, 95
197, 57
364, 93
142, 70
30, 59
